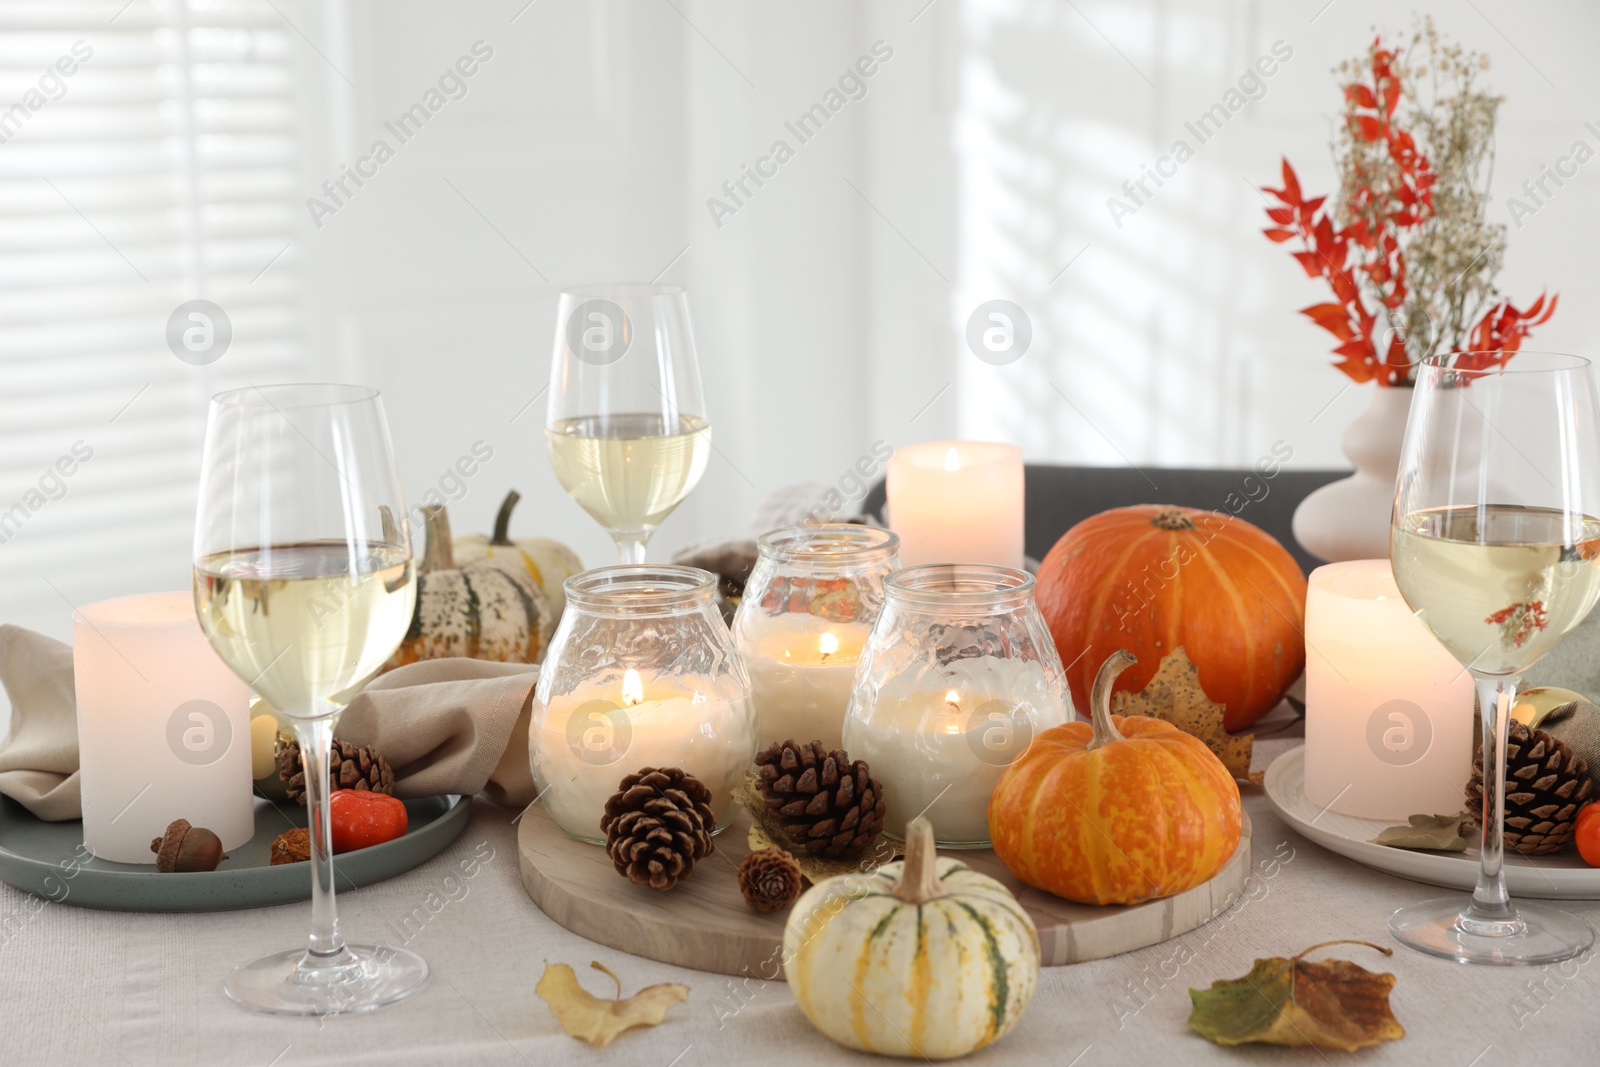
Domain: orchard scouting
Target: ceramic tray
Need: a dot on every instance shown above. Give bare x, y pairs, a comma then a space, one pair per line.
47, 858
1563, 876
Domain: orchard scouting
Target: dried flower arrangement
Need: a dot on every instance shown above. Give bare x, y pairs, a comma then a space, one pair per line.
1405, 246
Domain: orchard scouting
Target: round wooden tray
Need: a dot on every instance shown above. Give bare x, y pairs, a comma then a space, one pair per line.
705, 924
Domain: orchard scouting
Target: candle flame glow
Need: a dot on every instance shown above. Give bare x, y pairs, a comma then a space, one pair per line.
952, 461
953, 698
827, 644
632, 688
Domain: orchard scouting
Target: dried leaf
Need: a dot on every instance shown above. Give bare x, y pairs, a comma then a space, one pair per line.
1174, 695
1333, 1004
766, 833
1439, 833
589, 1018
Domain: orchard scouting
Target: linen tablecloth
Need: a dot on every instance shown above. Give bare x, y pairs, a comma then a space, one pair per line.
89, 987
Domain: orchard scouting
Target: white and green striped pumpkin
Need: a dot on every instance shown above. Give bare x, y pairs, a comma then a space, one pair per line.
550, 563
925, 957
478, 611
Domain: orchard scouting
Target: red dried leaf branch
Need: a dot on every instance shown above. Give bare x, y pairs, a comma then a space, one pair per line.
1364, 261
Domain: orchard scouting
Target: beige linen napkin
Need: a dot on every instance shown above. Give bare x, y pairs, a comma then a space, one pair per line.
444, 725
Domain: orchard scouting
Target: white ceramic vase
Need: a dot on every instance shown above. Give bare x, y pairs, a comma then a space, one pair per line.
1349, 519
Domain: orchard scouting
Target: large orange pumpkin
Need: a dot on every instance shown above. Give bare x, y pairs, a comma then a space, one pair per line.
1152, 579
1118, 812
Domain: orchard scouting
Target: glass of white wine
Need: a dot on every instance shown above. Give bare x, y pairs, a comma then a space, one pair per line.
1496, 547
304, 584
627, 430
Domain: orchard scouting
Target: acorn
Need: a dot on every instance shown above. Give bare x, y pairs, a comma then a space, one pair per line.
185, 848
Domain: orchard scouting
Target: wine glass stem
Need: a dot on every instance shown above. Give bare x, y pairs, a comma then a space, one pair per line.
631, 546
1491, 911
315, 737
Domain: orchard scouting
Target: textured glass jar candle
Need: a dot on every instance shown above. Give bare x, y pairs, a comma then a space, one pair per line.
640, 673
806, 613
959, 676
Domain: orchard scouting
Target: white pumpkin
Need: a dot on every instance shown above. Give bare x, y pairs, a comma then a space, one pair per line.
549, 563
925, 958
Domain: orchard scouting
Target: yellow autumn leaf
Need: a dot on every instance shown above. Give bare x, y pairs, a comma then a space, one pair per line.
596, 1020
1174, 695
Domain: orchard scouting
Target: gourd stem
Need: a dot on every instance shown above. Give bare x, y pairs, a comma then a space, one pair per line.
437, 554
502, 521
1100, 698
919, 877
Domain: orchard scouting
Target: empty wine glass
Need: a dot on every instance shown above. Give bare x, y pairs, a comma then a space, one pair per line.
1496, 547
304, 584
627, 431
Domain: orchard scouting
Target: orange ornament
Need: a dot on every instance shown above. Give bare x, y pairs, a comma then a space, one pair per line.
1153, 578
1120, 812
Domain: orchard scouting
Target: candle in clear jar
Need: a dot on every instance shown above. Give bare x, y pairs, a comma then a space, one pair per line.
1388, 710
163, 727
939, 740
956, 502
588, 740
801, 670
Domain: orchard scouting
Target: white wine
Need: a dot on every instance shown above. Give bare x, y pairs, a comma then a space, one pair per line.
629, 471
296, 624
1498, 585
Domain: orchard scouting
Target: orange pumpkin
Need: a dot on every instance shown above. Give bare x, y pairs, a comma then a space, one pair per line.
1118, 812
1152, 579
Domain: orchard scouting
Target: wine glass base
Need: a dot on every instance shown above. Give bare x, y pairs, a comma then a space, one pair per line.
1543, 934
362, 978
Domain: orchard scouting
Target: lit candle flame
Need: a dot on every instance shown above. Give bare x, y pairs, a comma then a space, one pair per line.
952, 461
632, 688
827, 644
953, 698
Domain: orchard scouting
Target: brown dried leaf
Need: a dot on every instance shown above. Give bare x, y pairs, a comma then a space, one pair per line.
1440, 833
1333, 1004
589, 1018
1174, 695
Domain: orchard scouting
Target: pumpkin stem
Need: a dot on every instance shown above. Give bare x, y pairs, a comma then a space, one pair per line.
502, 521
1171, 519
1100, 698
437, 555
919, 877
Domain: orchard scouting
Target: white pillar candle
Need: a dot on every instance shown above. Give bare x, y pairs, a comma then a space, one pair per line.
801, 670
163, 727
939, 740
1388, 710
957, 502
588, 740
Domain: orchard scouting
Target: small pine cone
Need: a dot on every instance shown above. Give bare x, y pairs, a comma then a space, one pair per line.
1546, 784
350, 766
826, 804
769, 878
657, 824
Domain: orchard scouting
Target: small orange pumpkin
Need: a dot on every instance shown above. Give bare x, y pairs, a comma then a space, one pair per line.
1123, 811
1152, 578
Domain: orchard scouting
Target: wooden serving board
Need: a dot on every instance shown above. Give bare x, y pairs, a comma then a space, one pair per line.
705, 924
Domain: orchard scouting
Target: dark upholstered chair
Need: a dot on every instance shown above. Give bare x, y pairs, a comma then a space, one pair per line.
1057, 498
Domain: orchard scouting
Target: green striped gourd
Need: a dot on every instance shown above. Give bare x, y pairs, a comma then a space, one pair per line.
479, 611
925, 957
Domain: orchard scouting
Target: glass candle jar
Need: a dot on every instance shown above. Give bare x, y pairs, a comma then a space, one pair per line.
959, 675
807, 611
640, 673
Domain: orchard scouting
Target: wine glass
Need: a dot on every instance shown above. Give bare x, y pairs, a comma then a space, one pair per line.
627, 430
304, 584
1496, 547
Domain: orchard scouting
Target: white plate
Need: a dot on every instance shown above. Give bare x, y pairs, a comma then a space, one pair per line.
1563, 876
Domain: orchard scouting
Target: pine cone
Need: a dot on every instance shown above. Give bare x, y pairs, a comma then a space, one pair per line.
349, 767
769, 878
826, 804
1545, 786
657, 824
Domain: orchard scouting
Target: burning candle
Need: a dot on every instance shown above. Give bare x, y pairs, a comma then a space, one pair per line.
163, 727
801, 670
1388, 709
957, 502
586, 741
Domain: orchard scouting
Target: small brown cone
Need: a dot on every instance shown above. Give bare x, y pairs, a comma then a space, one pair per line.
769, 878
1546, 784
657, 825
350, 766
825, 803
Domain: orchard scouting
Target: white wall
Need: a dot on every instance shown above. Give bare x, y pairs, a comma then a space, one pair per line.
831, 306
